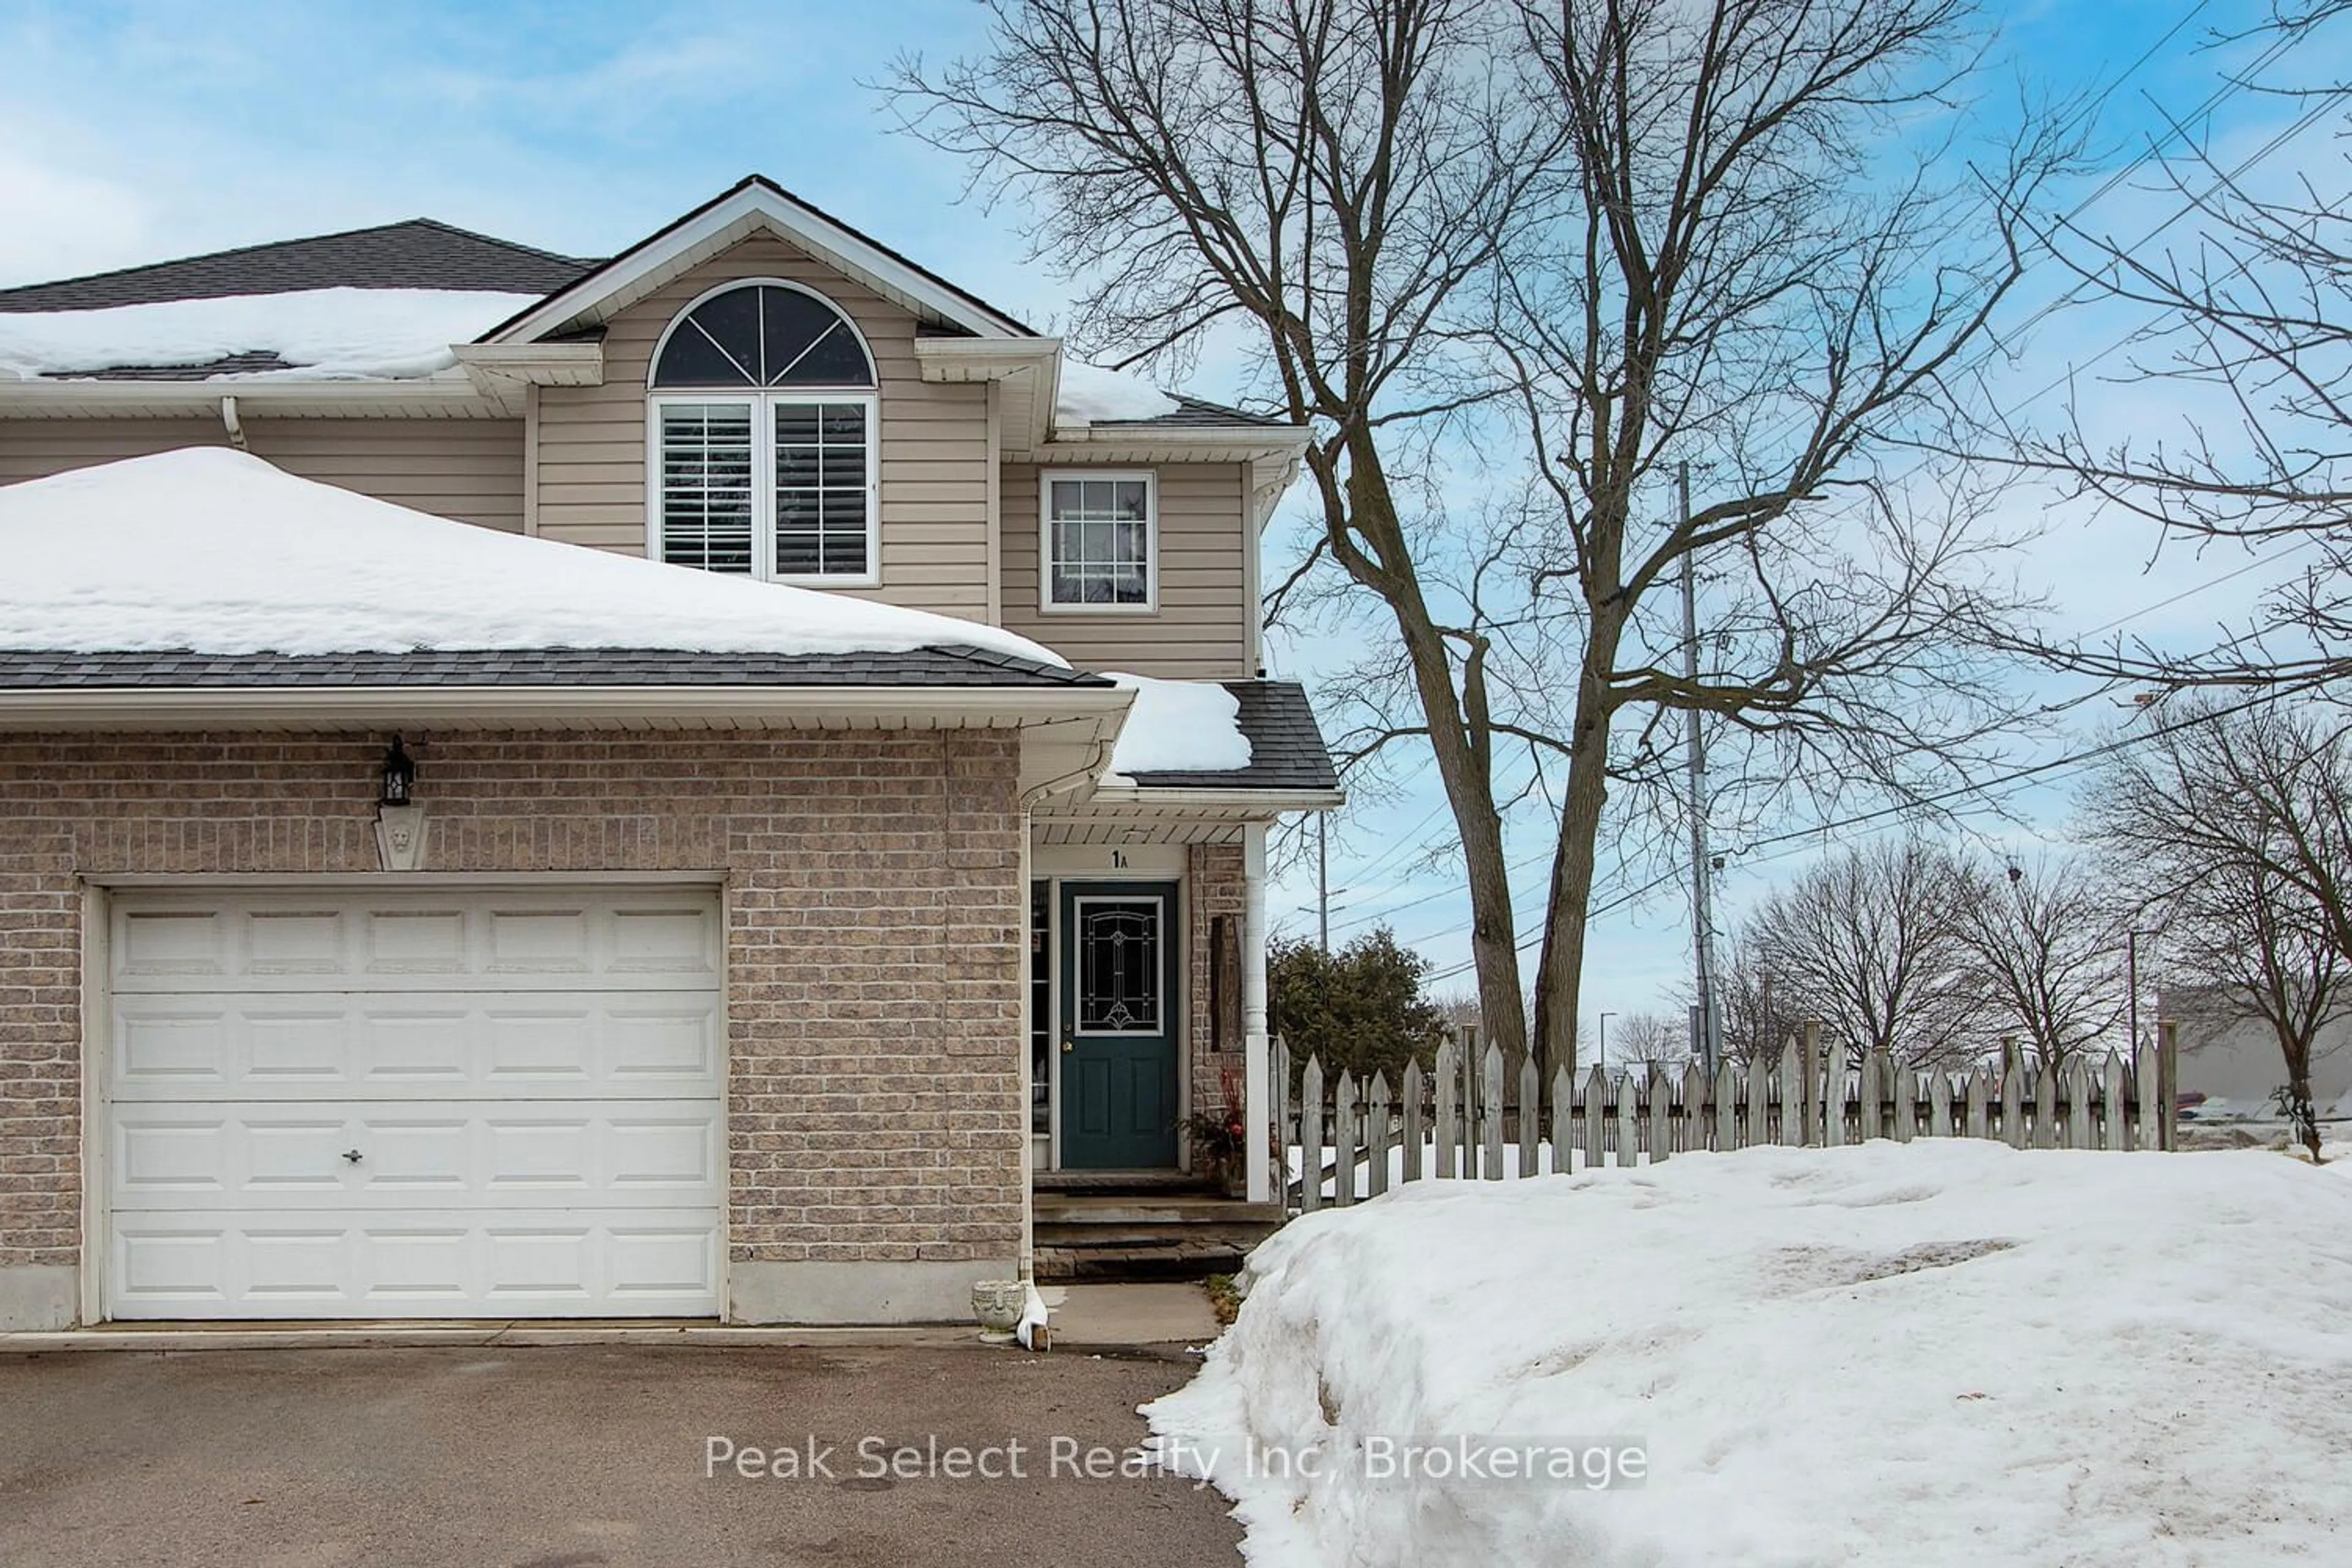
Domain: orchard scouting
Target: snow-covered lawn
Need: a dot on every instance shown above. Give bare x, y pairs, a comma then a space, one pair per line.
1940, 1353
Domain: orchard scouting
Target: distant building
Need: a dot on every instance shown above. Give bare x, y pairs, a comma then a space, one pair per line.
2234, 1060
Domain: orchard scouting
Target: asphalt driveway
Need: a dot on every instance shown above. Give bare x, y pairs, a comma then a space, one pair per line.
574, 1456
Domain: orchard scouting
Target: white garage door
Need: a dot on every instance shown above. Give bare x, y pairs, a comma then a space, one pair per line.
483, 1103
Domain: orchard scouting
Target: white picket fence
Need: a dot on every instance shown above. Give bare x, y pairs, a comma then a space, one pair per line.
1345, 1139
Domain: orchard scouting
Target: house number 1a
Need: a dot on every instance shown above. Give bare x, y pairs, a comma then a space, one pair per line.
1119, 859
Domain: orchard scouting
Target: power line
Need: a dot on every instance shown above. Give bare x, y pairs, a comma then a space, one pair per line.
1997, 342
1522, 914
1990, 791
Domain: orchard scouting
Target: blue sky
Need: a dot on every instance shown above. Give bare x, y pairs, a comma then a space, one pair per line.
129, 132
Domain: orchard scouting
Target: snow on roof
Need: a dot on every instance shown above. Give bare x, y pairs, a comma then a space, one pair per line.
1177, 726
1089, 392
214, 551
327, 335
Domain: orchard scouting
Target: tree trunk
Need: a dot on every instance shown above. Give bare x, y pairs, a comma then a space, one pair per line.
1458, 739
2304, 1114
1559, 975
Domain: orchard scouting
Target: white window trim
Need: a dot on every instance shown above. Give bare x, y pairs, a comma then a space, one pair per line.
763, 466
1045, 603
763, 443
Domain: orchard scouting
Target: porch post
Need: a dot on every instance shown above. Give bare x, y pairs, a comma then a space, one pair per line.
1028, 1141
1257, 1162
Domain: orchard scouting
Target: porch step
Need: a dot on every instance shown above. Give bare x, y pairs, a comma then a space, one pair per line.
1143, 1235
1119, 1182
1125, 1209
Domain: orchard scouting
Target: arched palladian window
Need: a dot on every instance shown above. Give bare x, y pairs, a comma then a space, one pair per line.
764, 424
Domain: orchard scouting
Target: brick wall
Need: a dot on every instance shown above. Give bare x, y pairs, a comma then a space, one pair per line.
873, 946
1214, 885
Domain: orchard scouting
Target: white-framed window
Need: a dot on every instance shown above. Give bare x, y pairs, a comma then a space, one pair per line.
761, 423
1099, 546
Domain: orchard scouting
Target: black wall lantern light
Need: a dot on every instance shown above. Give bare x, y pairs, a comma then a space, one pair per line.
399, 774
399, 815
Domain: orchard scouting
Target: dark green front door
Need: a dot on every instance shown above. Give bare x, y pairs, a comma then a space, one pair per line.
1119, 1025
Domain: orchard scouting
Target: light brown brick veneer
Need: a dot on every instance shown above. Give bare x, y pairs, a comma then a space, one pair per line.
874, 942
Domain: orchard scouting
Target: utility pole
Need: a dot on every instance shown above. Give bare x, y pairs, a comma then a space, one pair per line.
2131, 980
1710, 1020
1604, 1039
1323, 882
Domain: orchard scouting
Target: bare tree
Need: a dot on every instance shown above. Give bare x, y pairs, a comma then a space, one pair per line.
1752, 278
2045, 952
2250, 336
1756, 1021
1641, 1038
1334, 178
2237, 820
1459, 1008
1868, 942
1613, 237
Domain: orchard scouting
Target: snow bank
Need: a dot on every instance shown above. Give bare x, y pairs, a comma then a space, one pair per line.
1177, 726
1089, 392
218, 551
1938, 1354
330, 334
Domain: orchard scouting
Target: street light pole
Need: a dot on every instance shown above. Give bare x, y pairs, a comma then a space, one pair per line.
1604, 1039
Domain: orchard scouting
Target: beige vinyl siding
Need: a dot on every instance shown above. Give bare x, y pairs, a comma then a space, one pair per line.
933, 440
1201, 630
470, 469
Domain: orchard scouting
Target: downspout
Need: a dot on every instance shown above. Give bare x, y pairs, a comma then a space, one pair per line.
230, 423
1257, 1161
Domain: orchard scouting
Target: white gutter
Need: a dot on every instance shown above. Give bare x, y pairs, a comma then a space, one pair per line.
1235, 798
588, 707
1177, 443
538, 364
450, 394
230, 423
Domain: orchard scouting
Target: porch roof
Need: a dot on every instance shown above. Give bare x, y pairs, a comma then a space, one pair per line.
1286, 750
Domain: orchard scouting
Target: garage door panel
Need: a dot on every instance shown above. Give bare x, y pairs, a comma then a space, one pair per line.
665, 939
467, 1155
170, 945
531, 1082
172, 1048
415, 940
415, 1264
417, 1045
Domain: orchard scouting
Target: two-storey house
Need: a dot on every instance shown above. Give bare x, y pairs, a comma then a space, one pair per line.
663, 786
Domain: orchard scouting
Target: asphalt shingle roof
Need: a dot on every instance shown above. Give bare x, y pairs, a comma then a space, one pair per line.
1286, 750
1197, 411
420, 253
956, 667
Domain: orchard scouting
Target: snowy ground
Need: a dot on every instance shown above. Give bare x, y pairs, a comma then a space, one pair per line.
1942, 1353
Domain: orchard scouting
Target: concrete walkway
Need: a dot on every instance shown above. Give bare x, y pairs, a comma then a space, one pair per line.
1107, 1315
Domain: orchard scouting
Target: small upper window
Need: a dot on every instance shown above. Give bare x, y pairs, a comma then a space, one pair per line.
763, 440
1100, 537
763, 335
